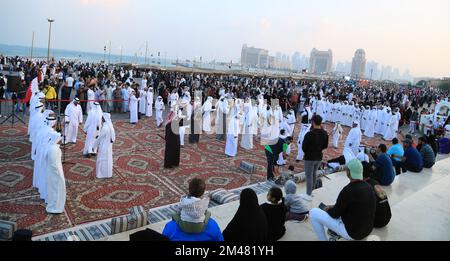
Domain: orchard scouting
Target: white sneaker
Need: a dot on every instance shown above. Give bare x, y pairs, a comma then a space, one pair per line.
306, 197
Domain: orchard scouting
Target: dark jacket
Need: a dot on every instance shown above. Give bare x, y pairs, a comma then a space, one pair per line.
276, 217
356, 205
314, 143
383, 211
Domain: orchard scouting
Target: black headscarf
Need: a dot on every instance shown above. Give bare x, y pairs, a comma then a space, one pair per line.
249, 222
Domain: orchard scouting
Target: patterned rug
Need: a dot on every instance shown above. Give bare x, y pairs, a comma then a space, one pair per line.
139, 177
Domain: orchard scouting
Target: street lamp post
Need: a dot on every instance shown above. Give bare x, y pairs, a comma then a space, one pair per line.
50, 21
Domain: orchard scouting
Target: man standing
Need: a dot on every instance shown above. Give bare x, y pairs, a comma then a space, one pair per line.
315, 142
92, 128
305, 128
104, 143
354, 139
56, 184
125, 97
73, 118
159, 108
90, 97
149, 108
221, 119
134, 107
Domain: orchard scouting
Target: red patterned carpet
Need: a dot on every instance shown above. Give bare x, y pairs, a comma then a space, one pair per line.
139, 178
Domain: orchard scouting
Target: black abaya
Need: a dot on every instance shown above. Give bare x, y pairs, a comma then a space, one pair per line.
172, 153
249, 223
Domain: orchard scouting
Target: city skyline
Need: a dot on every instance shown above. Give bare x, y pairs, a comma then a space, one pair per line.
389, 31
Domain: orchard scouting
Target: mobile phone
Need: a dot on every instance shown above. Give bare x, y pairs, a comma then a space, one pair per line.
322, 206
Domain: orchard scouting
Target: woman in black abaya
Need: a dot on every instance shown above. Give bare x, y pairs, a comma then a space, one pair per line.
249, 223
172, 153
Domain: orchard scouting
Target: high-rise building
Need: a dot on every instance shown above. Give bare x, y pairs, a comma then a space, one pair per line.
254, 57
372, 70
297, 61
320, 61
359, 64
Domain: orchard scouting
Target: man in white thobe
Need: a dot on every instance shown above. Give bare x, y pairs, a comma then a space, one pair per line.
149, 109
231, 147
159, 109
392, 128
185, 113
290, 122
221, 118
206, 112
354, 139
104, 143
38, 151
247, 135
92, 128
134, 108
91, 99
56, 184
371, 120
142, 101
73, 118
38, 118
305, 128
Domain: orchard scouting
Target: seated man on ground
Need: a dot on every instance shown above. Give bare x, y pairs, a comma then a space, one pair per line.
383, 210
295, 205
287, 175
383, 167
396, 149
354, 213
429, 158
411, 160
275, 212
194, 222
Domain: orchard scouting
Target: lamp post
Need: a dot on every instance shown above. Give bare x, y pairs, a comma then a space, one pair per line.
50, 21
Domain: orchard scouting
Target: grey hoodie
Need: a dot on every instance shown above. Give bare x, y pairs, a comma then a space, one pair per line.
293, 201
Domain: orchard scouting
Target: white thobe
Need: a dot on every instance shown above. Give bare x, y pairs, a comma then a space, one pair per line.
149, 109
92, 128
370, 127
301, 137
142, 102
91, 100
134, 109
73, 117
56, 183
353, 140
207, 109
392, 127
104, 163
159, 107
247, 135
231, 147
337, 132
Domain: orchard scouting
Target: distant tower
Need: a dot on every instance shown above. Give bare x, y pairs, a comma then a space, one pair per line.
359, 64
320, 61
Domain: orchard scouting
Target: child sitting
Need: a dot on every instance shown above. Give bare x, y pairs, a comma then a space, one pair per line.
275, 212
297, 209
193, 213
287, 175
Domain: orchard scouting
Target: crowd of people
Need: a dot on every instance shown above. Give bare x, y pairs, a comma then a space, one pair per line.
230, 106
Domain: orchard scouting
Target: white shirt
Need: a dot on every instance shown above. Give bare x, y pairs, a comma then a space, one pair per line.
69, 81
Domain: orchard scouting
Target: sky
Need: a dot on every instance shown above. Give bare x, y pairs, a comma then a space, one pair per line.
408, 34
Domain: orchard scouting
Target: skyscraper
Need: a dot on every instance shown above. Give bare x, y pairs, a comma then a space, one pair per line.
320, 61
254, 57
359, 64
